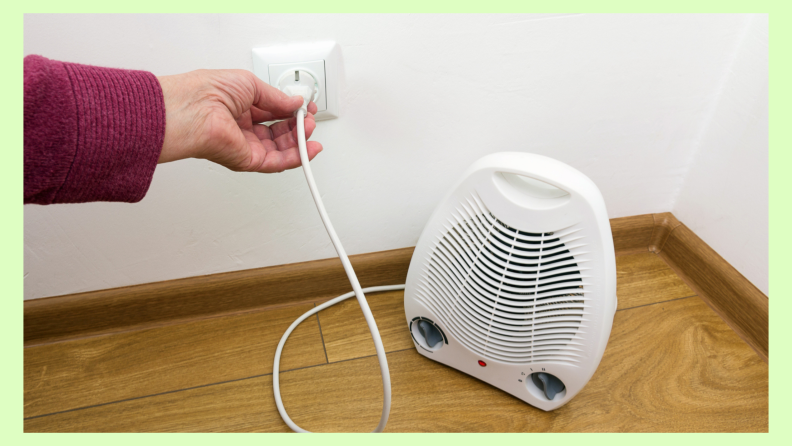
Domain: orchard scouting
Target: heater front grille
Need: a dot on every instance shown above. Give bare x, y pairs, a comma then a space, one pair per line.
509, 295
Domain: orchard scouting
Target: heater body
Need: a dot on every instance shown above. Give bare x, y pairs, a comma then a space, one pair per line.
513, 280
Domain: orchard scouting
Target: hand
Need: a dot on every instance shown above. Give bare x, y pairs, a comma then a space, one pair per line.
216, 115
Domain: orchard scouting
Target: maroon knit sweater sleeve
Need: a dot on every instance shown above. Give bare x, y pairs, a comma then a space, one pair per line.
91, 133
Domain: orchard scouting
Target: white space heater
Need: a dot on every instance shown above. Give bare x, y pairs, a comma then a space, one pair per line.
513, 280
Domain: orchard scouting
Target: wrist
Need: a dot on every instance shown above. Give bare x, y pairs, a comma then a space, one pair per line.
175, 145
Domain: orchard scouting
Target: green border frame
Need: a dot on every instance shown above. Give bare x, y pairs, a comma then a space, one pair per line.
11, 269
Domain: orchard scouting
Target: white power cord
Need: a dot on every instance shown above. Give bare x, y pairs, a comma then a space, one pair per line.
307, 92
377, 343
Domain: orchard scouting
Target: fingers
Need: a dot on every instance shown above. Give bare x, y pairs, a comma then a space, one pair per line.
310, 126
288, 140
244, 121
275, 147
262, 132
272, 100
272, 161
278, 161
258, 115
285, 132
263, 155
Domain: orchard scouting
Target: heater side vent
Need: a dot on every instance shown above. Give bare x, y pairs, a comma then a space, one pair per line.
509, 295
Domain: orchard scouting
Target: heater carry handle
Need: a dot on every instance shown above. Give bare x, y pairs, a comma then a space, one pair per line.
536, 181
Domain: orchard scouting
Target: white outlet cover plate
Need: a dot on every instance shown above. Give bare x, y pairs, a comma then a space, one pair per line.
269, 63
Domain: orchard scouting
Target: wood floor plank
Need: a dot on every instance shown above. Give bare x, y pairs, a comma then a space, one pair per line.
644, 278
670, 367
239, 406
102, 369
347, 336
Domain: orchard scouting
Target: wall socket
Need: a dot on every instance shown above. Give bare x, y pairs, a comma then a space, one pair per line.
321, 59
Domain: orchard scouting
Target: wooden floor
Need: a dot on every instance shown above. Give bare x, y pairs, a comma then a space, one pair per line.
672, 365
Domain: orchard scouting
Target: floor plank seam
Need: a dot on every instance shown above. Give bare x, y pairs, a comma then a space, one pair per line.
321, 335
145, 396
655, 303
345, 360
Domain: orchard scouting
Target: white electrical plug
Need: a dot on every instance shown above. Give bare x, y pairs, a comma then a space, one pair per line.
300, 83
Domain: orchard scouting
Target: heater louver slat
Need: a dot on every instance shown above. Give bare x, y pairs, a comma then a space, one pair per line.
509, 295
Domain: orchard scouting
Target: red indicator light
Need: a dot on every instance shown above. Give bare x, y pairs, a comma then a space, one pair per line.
482, 363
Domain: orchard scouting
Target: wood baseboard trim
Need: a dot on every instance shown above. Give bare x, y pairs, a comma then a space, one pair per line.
61, 318
733, 297
114, 310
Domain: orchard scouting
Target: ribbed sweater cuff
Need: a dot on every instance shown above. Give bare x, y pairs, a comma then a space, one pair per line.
120, 130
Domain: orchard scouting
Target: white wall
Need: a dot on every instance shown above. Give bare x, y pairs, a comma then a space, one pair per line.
623, 98
724, 198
